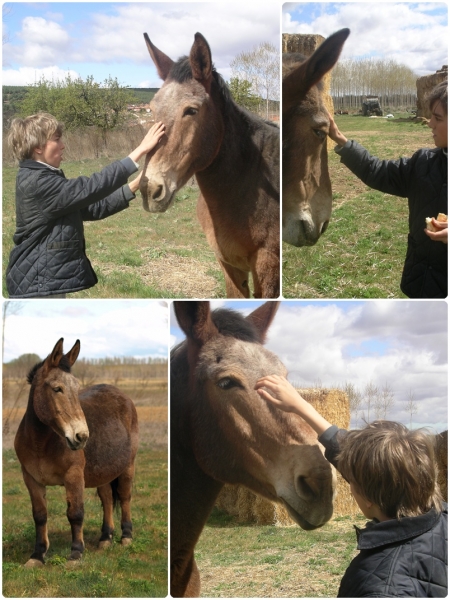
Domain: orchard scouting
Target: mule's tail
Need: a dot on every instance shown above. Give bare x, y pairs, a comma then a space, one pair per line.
114, 488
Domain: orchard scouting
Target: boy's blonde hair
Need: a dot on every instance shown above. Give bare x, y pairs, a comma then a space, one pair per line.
393, 467
32, 132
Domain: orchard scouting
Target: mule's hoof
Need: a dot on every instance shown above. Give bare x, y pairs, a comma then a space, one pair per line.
126, 541
34, 563
104, 544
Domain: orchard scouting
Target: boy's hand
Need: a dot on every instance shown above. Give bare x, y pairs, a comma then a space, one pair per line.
441, 235
134, 185
334, 133
149, 142
282, 395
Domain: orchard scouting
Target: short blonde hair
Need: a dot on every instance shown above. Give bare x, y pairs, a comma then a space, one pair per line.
393, 467
32, 132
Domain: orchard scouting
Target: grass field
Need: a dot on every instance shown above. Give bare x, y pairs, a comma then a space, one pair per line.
361, 254
248, 561
134, 253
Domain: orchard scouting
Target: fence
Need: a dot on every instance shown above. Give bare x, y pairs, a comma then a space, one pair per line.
353, 103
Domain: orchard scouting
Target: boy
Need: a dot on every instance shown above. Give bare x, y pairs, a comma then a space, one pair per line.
392, 476
423, 180
49, 258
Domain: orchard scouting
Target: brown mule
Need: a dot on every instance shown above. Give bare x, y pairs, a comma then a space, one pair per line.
222, 431
307, 194
235, 158
76, 439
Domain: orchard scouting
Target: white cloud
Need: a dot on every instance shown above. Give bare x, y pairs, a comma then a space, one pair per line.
29, 76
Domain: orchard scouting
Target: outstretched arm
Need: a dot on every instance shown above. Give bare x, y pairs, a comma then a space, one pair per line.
281, 394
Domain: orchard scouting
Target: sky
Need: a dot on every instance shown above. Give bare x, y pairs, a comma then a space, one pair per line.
100, 39
399, 343
411, 33
105, 328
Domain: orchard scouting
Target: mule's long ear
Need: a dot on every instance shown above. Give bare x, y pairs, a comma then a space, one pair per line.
195, 320
54, 358
162, 62
263, 316
310, 72
201, 61
72, 355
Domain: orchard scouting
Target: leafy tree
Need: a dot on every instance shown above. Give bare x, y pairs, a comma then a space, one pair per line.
80, 103
241, 90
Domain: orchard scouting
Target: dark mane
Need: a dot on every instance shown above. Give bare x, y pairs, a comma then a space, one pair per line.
232, 323
63, 365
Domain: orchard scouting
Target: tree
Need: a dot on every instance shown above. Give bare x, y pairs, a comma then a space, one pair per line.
384, 401
370, 395
261, 67
80, 103
411, 406
241, 90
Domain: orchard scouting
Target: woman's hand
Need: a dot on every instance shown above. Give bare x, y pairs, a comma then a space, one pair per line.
441, 235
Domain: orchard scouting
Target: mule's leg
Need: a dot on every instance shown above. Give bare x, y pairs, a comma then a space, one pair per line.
74, 484
266, 274
236, 281
125, 483
106, 496
39, 508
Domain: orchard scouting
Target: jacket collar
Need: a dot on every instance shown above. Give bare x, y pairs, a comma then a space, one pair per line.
376, 534
29, 163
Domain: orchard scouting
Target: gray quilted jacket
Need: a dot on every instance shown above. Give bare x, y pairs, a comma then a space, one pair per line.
49, 254
404, 558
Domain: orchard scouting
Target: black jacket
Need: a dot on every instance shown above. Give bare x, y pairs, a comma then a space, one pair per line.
398, 558
423, 180
49, 255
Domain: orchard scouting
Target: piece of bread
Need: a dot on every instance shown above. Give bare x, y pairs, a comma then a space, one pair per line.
441, 218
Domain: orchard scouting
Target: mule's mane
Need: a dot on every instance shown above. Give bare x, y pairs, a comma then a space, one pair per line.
63, 365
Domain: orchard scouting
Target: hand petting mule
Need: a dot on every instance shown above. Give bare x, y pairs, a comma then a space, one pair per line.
235, 157
222, 431
77, 439
306, 196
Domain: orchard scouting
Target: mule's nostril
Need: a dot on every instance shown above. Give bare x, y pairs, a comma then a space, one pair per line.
304, 487
157, 193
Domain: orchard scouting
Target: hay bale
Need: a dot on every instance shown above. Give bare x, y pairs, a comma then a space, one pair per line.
424, 86
248, 507
442, 461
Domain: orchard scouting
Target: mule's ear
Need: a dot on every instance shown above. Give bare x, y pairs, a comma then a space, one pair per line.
263, 316
201, 61
195, 320
162, 62
300, 80
72, 355
54, 358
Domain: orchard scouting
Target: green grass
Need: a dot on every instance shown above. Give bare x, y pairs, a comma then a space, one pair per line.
237, 560
134, 253
138, 570
361, 255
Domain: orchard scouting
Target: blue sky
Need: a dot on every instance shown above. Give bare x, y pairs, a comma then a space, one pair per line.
105, 328
329, 343
106, 39
411, 33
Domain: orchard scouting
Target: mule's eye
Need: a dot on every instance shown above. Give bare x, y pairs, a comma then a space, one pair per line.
57, 390
321, 134
227, 383
189, 111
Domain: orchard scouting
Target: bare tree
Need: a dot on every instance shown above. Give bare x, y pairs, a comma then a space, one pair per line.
384, 401
354, 398
370, 395
10, 307
411, 406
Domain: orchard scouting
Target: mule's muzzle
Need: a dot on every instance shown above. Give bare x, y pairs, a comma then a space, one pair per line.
77, 441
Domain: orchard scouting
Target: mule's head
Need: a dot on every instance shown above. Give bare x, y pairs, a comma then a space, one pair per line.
236, 436
307, 194
193, 127
55, 396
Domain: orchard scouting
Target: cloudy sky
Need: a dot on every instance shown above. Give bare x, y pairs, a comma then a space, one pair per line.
103, 39
105, 328
411, 33
399, 343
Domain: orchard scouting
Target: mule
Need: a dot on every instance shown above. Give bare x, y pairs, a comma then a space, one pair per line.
235, 157
307, 197
222, 431
76, 439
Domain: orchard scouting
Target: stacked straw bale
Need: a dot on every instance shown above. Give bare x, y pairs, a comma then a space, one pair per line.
424, 86
247, 507
442, 461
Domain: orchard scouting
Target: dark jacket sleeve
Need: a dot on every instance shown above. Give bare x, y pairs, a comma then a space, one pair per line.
388, 176
60, 196
117, 201
330, 439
